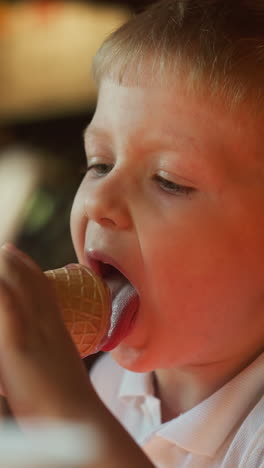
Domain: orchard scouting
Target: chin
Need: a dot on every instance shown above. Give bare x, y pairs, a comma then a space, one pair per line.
133, 359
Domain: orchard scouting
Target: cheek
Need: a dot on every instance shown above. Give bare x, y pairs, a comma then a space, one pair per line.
195, 269
170, 252
78, 223
192, 289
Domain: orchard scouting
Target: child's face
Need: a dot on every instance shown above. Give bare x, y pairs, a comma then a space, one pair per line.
194, 255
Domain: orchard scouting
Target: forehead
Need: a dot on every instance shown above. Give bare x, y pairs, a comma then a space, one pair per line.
150, 109
173, 114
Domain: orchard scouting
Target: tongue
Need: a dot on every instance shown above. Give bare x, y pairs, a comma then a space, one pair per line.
124, 306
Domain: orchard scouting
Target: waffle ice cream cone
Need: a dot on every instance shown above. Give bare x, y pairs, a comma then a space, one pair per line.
85, 305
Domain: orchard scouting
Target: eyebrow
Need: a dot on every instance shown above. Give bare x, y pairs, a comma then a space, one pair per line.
94, 132
91, 131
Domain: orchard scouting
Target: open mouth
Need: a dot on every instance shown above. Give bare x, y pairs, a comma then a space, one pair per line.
113, 278
107, 270
111, 275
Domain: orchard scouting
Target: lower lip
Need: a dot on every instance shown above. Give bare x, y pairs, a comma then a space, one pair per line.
124, 326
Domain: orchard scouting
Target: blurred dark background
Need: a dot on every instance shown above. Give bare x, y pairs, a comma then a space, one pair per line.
46, 100
33, 117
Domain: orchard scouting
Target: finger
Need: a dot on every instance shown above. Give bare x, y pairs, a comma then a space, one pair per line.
12, 249
25, 278
12, 321
14, 274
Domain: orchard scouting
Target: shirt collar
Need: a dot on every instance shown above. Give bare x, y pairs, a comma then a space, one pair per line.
134, 384
204, 428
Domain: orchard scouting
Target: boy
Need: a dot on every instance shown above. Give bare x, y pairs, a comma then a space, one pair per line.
173, 199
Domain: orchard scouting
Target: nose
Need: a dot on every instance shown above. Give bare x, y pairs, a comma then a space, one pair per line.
107, 204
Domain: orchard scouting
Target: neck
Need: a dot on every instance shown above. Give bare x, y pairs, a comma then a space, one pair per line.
179, 390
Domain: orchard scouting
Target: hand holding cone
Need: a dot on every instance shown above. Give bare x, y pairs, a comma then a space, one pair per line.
84, 301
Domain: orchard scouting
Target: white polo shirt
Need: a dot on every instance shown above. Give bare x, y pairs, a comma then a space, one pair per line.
226, 430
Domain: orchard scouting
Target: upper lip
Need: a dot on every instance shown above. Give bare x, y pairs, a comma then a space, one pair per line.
94, 259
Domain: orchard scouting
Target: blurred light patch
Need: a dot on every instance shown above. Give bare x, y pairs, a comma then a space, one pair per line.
44, 444
46, 49
20, 175
39, 211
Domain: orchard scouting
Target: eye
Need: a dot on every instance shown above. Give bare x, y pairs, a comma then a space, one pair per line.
172, 187
98, 170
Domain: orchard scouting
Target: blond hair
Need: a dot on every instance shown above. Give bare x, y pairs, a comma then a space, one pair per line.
216, 43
